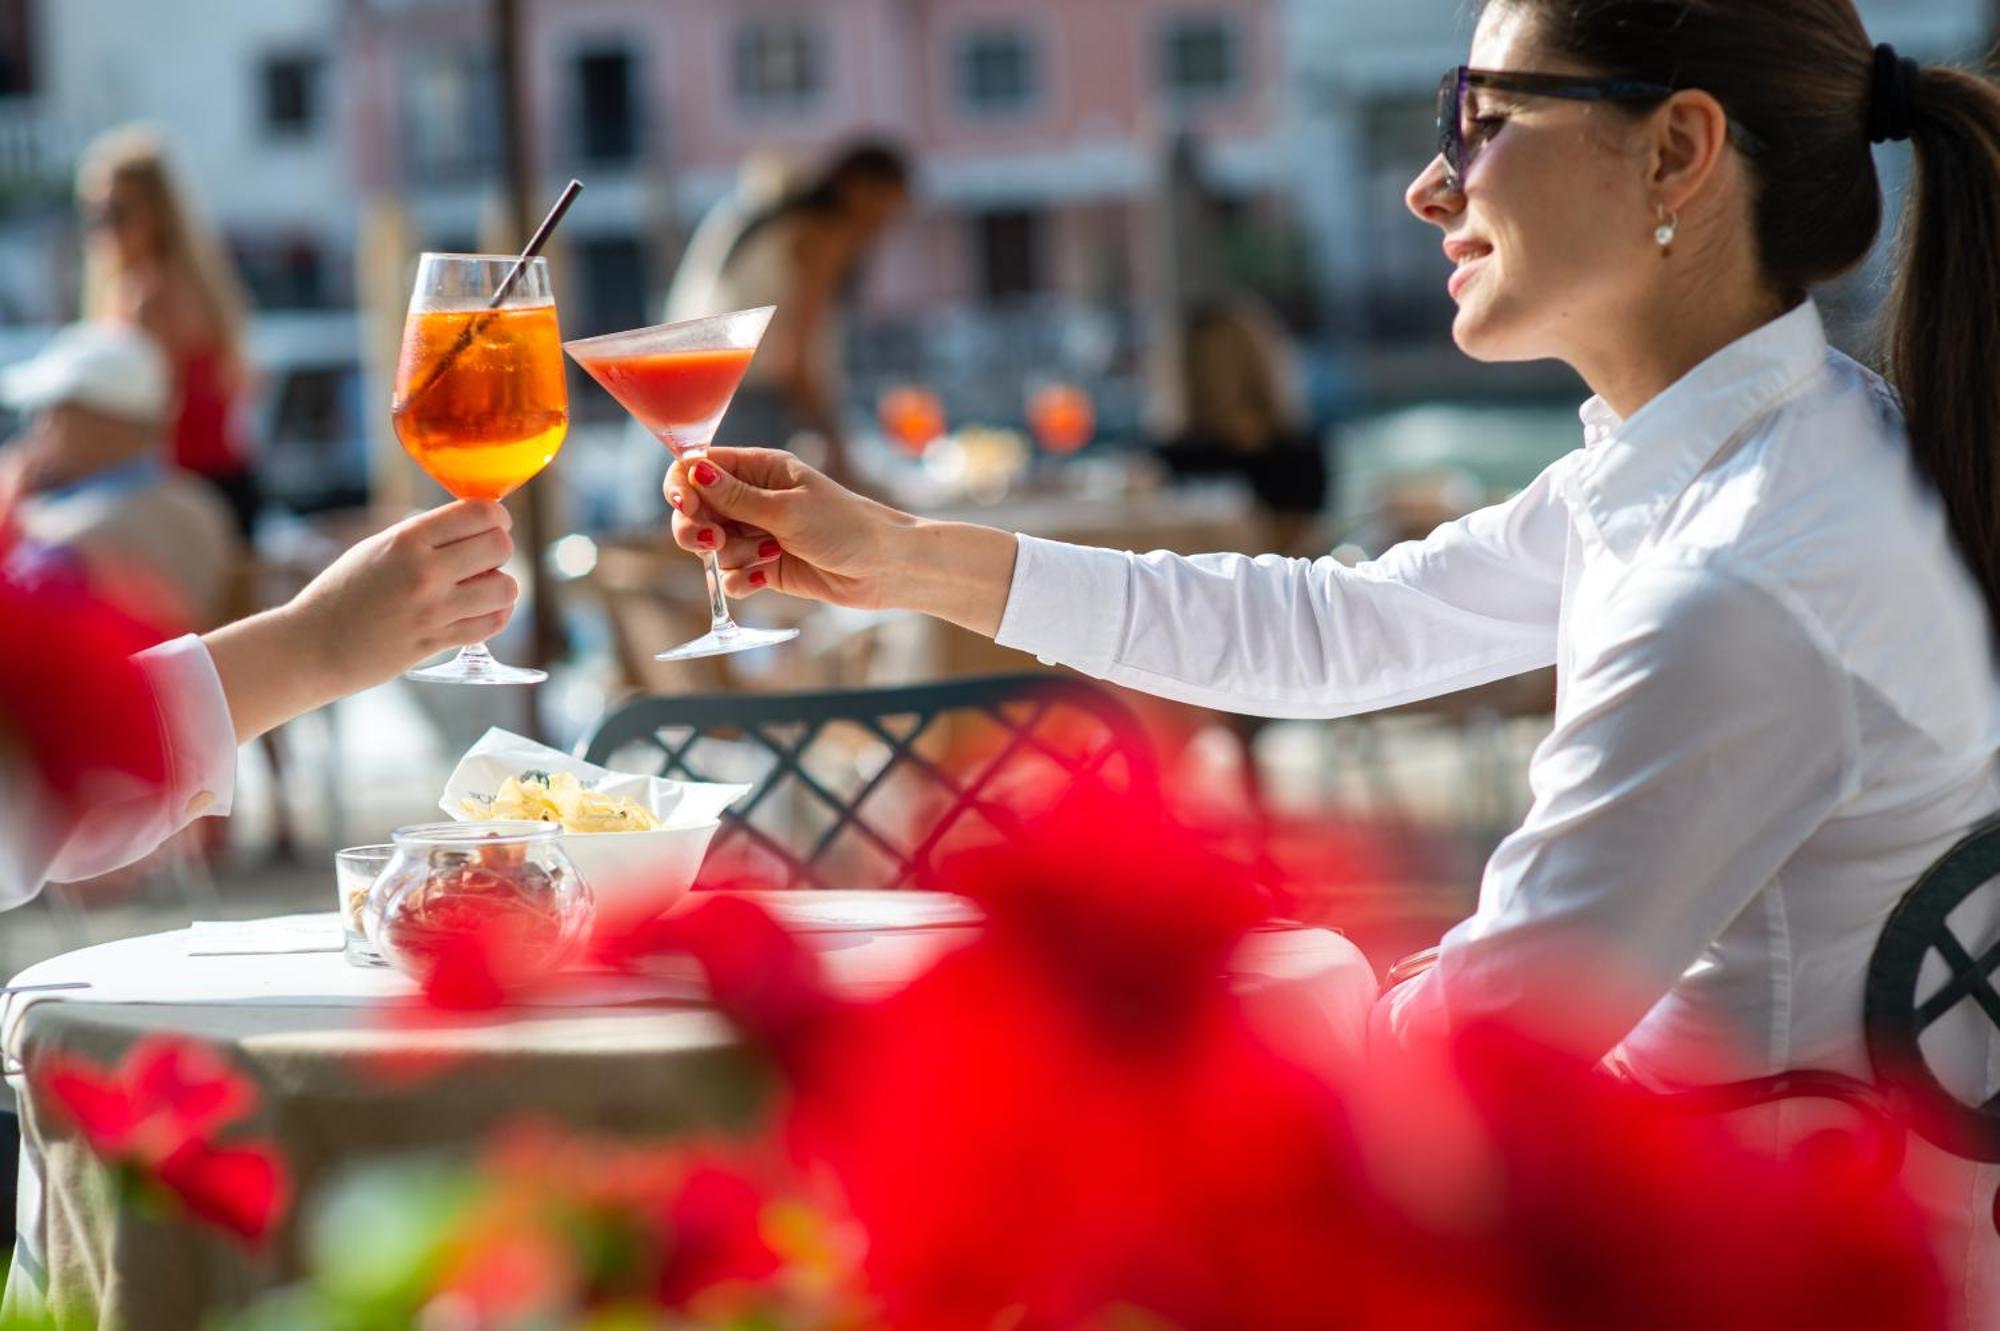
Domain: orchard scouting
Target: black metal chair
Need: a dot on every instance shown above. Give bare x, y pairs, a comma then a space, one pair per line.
1907, 1092
1067, 729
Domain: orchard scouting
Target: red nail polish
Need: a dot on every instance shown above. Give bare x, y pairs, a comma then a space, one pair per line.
706, 536
769, 550
758, 578
676, 500
705, 474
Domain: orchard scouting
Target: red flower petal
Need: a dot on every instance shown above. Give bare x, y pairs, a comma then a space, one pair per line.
188, 1084
91, 1097
75, 700
241, 1190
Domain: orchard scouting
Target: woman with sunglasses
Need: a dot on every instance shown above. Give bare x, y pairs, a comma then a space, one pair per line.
1768, 580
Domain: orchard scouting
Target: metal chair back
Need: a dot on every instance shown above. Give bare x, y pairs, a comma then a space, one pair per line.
847, 822
1946, 917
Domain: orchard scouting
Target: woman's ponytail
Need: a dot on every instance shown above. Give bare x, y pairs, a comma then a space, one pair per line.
1942, 340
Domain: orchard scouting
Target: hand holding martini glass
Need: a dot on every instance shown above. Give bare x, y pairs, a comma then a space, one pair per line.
677, 381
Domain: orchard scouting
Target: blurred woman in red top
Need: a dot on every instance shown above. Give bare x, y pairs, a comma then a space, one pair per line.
149, 262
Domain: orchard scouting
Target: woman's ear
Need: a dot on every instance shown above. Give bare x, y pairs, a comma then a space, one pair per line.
1690, 132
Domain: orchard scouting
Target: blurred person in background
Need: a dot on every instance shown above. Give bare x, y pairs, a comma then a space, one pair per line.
1223, 392
149, 263
803, 251
1769, 579
1226, 402
96, 488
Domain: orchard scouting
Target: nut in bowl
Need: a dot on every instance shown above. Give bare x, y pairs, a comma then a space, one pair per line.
637, 841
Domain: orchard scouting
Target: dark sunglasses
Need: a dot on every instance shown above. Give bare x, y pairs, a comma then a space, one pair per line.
1458, 147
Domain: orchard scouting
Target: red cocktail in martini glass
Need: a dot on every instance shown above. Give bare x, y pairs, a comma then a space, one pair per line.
677, 381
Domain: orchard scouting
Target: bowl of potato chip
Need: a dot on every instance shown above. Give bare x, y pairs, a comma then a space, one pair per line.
637, 863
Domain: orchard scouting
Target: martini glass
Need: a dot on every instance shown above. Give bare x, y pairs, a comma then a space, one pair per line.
677, 381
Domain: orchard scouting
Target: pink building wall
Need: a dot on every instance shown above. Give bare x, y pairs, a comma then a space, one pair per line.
1082, 156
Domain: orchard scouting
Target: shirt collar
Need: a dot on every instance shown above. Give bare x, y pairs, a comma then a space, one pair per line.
1633, 470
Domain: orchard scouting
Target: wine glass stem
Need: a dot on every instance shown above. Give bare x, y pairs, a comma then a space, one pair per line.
475, 655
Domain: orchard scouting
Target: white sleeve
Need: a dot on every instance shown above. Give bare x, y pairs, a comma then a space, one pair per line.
1475, 602
1707, 734
200, 743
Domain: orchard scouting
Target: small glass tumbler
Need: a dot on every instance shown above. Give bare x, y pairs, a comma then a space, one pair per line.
354, 872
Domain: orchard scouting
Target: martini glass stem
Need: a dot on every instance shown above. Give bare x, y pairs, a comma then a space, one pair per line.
719, 619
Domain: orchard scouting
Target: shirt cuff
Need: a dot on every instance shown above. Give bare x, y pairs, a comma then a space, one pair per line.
1067, 604
199, 732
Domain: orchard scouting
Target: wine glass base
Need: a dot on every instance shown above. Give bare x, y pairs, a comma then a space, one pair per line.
725, 641
460, 671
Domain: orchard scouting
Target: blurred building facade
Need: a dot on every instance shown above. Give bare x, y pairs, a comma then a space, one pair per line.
1362, 95
1040, 126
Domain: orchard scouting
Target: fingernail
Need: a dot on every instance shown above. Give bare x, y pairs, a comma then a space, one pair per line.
706, 536
674, 498
768, 550
758, 578
705, 474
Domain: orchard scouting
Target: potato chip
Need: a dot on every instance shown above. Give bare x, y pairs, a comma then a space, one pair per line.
561, 798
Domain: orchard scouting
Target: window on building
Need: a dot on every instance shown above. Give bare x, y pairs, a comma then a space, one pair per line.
607, 107
613, 269
1009, 256
780, 64
996, 72
17, 49
284, 272
289, 93
451, 115
1201, 58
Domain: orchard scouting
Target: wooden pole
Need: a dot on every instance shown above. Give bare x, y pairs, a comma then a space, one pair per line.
531, 502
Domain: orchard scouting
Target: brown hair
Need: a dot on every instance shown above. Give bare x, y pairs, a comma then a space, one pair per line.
135, 158
1801, 77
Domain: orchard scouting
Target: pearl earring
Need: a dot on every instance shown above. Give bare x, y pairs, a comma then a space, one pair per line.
1663, 235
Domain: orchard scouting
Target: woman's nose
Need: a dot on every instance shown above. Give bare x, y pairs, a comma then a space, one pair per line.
1432, 196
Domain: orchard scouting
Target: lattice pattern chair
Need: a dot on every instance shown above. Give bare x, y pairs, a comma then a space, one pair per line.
868, 787
1932, 968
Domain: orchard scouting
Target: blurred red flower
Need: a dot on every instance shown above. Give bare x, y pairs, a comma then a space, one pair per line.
1073, 1116
71, 696
155, 1118
563, 1224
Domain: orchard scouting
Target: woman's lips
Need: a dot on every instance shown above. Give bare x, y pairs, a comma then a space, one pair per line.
1465, 272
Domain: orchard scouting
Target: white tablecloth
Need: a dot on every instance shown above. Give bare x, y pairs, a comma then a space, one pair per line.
618, 1054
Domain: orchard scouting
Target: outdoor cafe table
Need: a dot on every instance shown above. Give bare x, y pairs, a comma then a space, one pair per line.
629, 1056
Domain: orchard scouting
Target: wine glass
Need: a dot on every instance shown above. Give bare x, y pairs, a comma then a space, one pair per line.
481, 402
677, 380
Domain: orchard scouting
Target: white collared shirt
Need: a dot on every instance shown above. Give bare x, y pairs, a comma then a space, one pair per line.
200, 740
1777, 704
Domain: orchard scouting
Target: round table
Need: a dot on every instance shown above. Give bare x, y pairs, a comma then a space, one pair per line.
630, 1056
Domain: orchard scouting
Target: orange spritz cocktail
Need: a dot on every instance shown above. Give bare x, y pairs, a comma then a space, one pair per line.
494, 415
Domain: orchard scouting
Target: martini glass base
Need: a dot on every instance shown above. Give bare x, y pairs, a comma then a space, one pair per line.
724, 641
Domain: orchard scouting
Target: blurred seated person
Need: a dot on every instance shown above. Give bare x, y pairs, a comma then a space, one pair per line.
1226, 403
98, 490
802, 250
